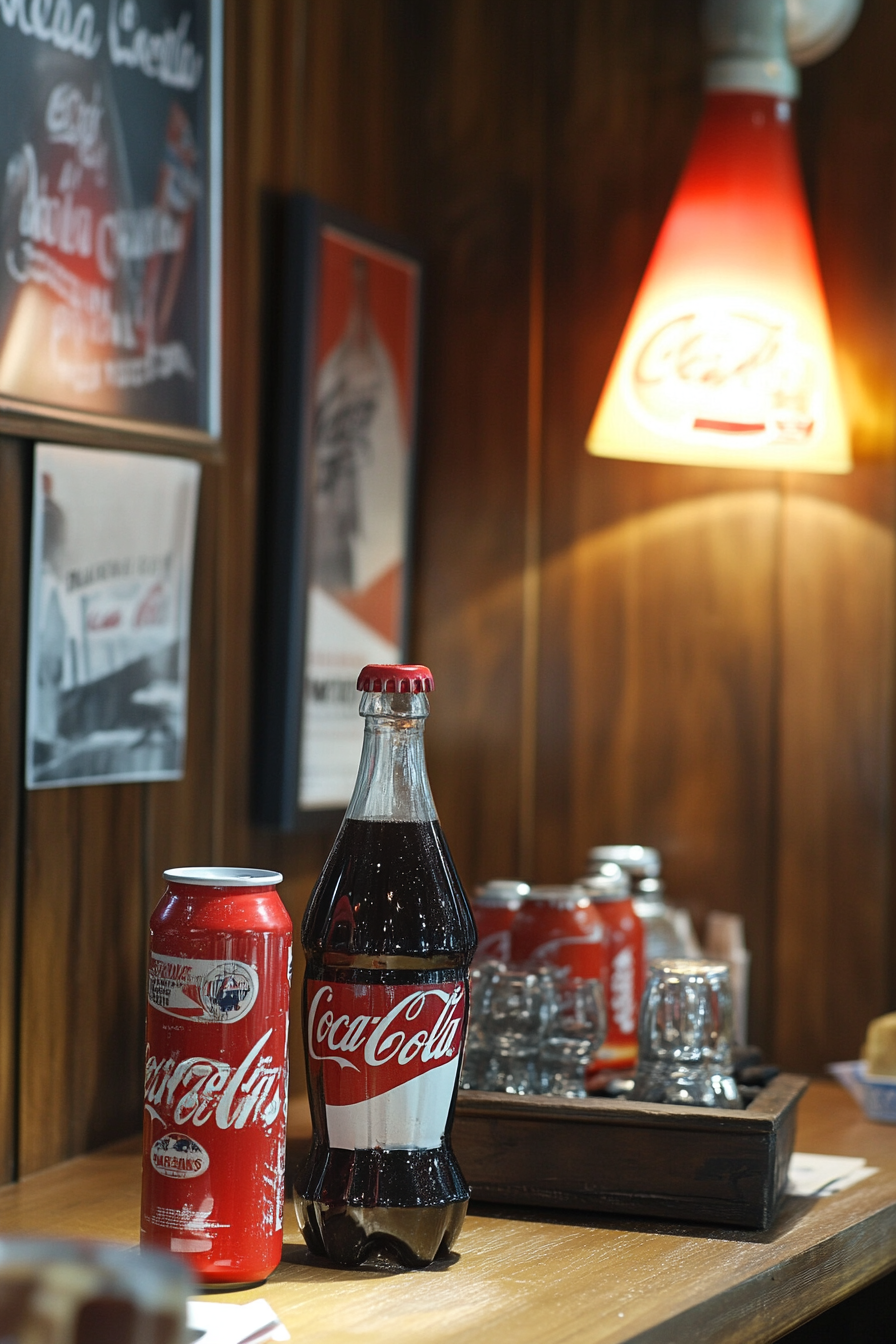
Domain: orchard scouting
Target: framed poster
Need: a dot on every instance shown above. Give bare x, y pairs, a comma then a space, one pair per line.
112, 540
335, 524
110, 214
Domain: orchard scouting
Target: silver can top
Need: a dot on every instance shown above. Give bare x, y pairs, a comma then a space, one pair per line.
609, 883
502, 890
639, 860
651, 888
558, 894
223, 877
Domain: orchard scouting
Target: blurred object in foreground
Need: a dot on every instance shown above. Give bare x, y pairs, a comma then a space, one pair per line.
90, 1292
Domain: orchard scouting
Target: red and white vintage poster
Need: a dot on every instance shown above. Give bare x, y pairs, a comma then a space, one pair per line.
364, 393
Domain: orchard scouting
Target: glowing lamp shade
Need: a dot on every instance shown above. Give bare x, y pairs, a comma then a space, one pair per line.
727, 358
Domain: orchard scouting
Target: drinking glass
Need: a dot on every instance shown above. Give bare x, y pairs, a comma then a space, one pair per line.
684, 1036
519, 1005
478, 1050
575, 1030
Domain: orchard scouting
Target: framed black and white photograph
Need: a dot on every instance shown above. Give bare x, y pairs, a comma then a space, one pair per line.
335, 526
109, 616
110, 212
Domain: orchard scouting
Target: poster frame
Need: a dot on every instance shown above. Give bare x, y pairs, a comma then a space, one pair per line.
292, 231
106, 462
44, 420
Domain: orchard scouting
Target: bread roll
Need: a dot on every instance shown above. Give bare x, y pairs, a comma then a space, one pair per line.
879, 1050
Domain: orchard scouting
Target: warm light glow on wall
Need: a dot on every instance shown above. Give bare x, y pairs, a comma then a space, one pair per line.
727, 357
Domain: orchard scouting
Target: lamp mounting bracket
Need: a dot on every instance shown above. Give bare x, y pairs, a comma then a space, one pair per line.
756, 45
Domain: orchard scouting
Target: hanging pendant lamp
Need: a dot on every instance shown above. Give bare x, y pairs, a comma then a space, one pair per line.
727, 357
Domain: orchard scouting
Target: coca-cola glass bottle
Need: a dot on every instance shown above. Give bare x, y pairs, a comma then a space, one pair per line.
388, 939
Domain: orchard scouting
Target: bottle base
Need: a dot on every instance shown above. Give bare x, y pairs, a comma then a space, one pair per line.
349, 1234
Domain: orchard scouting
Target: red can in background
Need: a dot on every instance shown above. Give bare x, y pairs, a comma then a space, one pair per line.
559, 926
214, 1116
495, 908
622, 968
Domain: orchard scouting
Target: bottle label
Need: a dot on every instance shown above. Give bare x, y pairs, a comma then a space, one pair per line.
202, 991
387, 1057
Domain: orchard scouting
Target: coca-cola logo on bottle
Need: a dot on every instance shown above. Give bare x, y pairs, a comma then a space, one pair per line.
369, 1039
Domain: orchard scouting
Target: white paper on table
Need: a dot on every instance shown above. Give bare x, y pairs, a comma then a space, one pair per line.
810, 1173
233, 1322
844, 1183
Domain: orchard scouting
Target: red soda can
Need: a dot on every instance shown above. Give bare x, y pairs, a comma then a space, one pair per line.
622, 968
495, 908
214, 1116
559, 926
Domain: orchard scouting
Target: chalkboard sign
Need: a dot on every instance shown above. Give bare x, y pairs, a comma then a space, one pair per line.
110, 220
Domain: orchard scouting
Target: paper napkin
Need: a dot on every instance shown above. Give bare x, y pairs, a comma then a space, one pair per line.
233, 1322
817, 1173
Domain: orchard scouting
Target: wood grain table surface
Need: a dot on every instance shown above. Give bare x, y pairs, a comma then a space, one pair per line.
532, 1275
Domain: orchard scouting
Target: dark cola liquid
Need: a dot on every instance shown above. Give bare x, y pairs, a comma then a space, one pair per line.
389, 894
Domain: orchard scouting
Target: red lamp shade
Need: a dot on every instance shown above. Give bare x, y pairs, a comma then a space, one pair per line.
727, 358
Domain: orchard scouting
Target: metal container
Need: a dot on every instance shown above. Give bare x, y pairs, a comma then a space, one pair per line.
214, 1123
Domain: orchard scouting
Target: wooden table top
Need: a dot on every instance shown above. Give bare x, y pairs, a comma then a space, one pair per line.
536, 1275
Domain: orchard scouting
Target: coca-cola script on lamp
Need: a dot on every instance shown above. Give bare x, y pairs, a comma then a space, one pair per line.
727, 358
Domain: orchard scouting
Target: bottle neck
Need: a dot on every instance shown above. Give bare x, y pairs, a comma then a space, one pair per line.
392, 783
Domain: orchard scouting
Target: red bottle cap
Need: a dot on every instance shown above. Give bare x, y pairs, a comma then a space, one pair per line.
401, 678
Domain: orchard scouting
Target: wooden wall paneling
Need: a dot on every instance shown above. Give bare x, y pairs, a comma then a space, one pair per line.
837, 623
481, 141
14, 493
836, 964
658, 649
82, 971
613, 152
354, 138
846, 124
250, 39
671, 677
92, 873
107, 961
178, 816
48, 1012
266, 131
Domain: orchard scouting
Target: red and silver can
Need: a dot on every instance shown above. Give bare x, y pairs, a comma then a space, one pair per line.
622, 967
214, 1116
495, 907
559, 926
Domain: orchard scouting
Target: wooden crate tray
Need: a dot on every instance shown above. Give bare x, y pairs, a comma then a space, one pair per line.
631, 1157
